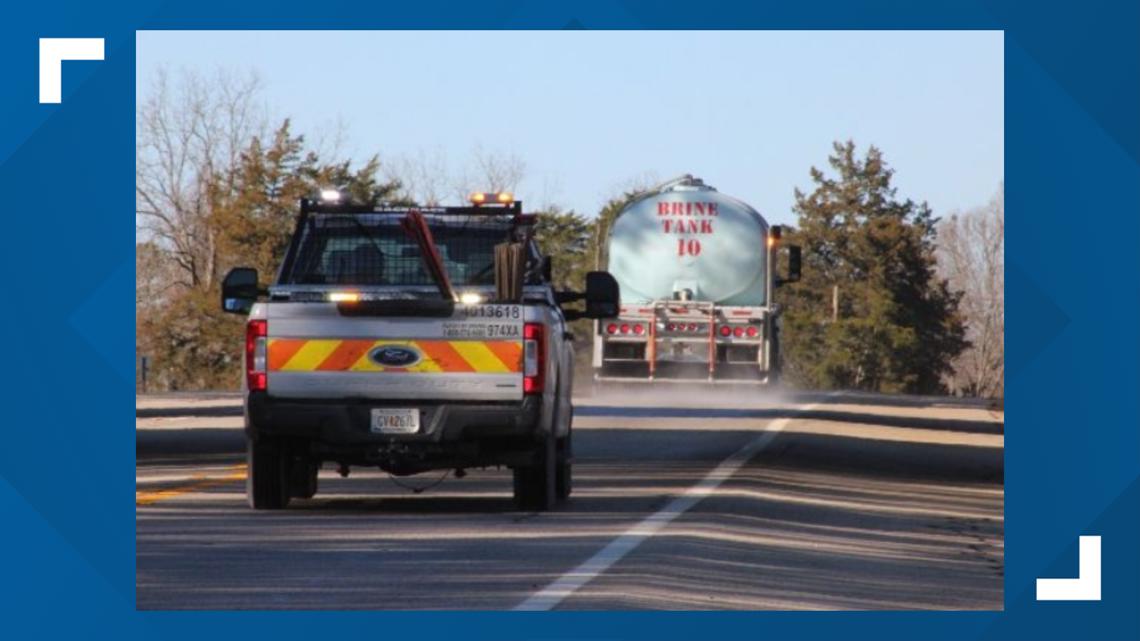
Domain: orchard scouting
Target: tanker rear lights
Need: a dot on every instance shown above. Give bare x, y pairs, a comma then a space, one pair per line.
625, 329
689, 328
739, 331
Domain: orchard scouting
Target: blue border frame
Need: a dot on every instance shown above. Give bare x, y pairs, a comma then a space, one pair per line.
1073, 452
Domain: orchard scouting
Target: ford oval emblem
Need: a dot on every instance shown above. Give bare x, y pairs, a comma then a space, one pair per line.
395, 356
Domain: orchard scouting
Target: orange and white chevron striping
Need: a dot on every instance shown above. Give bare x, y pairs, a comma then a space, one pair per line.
352, 355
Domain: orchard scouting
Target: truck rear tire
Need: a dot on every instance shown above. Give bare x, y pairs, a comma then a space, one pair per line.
563, 475
267, 477
774, 365
303, 477
534, 485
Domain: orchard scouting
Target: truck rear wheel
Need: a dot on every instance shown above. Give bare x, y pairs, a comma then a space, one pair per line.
563, 477
303, 477
267, 478
534, 485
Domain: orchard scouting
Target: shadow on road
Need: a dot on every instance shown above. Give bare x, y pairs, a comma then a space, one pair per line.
210, 440
813, 521
184, 411
819, 414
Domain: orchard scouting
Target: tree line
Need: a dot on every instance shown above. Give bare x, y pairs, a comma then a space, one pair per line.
892, 299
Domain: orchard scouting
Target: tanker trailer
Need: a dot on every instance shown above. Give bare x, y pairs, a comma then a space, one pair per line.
697, 272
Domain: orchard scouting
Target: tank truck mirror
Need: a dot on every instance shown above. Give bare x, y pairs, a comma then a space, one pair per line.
794, 264
603, 297
240, 290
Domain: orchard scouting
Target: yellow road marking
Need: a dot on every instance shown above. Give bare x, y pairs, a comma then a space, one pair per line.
201, 482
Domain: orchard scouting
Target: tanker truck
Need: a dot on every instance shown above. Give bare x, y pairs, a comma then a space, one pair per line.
697, 270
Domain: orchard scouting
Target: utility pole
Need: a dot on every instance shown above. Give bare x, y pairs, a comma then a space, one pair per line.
834, 303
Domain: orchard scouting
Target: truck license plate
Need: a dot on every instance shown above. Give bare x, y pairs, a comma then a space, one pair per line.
391, 420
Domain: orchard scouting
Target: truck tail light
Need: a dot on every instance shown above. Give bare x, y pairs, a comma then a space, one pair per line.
738, 332
611, 328
256, 354
753, 331
534, 358
725, 330
639, 329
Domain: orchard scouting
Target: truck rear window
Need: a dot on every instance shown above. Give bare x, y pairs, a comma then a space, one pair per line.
372, 249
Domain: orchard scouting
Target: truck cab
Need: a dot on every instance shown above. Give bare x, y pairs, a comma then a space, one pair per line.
413, 340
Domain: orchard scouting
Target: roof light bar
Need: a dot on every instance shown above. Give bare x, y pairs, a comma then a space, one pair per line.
484, 197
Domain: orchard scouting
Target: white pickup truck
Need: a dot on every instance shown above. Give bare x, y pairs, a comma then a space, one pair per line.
410, 339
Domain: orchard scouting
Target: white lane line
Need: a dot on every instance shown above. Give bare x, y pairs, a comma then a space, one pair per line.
566, 585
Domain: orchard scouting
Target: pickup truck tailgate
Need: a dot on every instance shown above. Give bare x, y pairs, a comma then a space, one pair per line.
314, 352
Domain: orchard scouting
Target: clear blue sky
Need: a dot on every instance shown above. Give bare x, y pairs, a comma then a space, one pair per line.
748, 111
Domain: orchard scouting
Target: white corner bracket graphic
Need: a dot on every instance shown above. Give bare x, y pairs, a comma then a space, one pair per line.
1086, 587
53, 51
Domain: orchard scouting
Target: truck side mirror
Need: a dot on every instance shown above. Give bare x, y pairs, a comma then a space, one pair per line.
546, 269
240, 290
603, 296
794, 263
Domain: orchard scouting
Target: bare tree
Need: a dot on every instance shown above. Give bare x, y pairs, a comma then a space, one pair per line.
489, 171
424, 177
428, 177
153, 277
971, 252
187, 135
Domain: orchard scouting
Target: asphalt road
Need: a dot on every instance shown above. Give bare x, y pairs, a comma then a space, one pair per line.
769, 502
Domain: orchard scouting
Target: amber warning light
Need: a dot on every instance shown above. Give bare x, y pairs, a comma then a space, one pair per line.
485, 198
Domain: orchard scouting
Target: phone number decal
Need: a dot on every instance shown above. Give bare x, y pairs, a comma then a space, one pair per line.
481, 330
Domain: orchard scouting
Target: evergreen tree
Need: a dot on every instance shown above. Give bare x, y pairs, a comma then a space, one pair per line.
255, 203
897, 326
252, 212
566, 237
